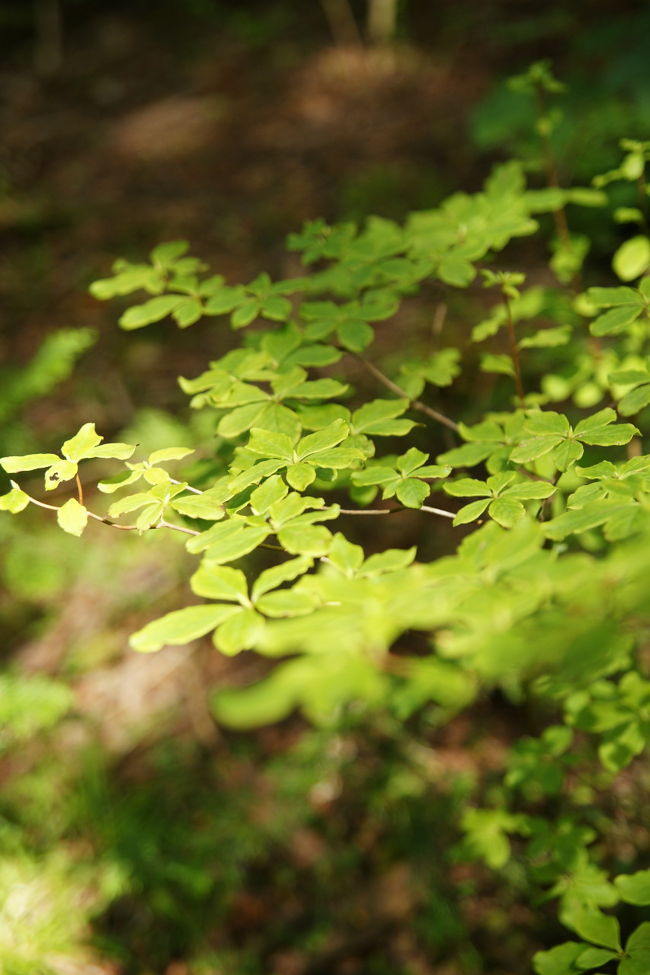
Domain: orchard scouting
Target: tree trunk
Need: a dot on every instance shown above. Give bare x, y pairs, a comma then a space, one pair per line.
381, 21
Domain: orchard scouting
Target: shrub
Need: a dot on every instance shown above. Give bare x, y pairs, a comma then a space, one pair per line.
536, 503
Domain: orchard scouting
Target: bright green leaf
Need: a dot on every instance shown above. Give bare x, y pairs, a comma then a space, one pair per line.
72, 517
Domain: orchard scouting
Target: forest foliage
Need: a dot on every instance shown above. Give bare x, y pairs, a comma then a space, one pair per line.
537, 498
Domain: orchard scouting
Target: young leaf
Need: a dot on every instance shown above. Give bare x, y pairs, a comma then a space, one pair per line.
315, 443
592, 925
305, 539
180, 627
506, 511
285, 572
28, 462
636, 960
241, 631
287, 603
220, 582
470, 512
632, 258
14, 501
300, 476
412, 493
634, 888
72, 517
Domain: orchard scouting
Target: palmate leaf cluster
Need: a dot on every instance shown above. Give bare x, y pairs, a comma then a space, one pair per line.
545, 595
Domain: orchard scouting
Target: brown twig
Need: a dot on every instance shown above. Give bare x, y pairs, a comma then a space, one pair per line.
514, 351
415, 403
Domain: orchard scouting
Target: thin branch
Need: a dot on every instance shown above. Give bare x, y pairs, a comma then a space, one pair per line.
187, 487
395, 511
177, 528
514, 351
438, 511
368, 511
112, 524
80, 490
415, 403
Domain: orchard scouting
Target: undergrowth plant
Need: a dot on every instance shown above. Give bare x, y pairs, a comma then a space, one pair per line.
539, 507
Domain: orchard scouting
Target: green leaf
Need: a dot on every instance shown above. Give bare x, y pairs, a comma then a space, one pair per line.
593, 957
637, 952
198, 506
228, 540
63, 470
28, 462
456, 270
14, 501
635, 400
392, 560
138, 316
632, 258
506, 511
467, 487
287, 603
433, 470
338, 458
269, 491
241, 419
609, 297
167, 254
575, 522
566, 453
247, 312
111, 451
241, 631
409, 462
559, 960
529, 450
592, 925
187, 312
285, 572
224, 300
614, 434
79, 446
181, 626
305, 539
547, 338
345, 555
355, 335
470, 512
412, 493
497, 363
614, 321
72, 517
634, 888
547, 423
130, 503
270, 444
377, 474
374, 418
220, 582
315, 443
530, 490
300, 476
276, 308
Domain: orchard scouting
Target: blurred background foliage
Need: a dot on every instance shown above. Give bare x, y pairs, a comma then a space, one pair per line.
137, 837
